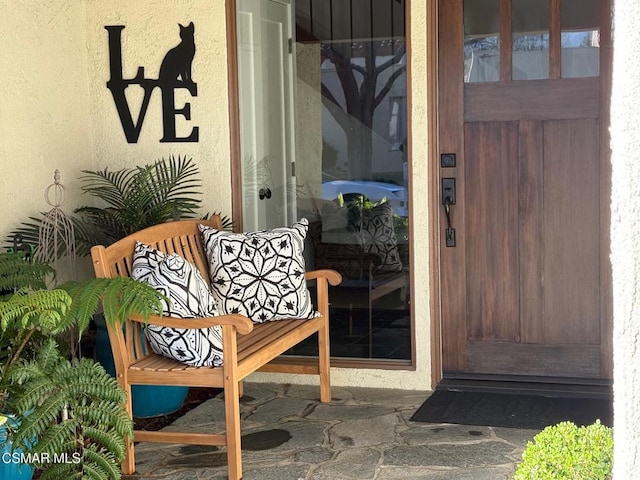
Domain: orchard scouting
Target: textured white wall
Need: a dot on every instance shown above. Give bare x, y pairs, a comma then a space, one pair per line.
56, 112
43, 106
625, 230
151, 29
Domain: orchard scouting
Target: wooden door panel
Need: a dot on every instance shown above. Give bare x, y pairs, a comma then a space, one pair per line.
522, 290
579, 361
571, 231
491, 199
532, 100
531, 221
450, 85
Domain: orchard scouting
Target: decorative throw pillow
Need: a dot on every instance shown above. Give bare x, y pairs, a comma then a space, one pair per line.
189, 296
377, 235
260, 274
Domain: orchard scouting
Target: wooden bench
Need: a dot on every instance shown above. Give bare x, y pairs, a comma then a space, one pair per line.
247, 347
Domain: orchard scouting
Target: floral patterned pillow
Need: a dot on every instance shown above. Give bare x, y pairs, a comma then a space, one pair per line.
376, 234
259, 274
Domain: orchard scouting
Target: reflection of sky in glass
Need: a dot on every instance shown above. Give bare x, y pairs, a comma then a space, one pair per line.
576, 39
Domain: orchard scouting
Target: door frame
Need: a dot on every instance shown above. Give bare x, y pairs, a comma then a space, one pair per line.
434, 173
434, 192
234, 114
236, 174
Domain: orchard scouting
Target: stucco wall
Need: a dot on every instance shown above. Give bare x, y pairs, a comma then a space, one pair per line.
151, 29
43, 111
625, 228
57, 113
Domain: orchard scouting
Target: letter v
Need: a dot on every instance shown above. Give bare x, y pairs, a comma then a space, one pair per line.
117, 85
131, 129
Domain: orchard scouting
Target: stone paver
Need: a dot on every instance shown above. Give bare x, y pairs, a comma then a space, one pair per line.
363, 434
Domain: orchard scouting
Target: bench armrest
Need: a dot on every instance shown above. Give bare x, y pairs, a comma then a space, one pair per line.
243, 324
331, 276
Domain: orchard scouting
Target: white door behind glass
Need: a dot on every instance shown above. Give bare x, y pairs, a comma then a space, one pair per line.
266, 74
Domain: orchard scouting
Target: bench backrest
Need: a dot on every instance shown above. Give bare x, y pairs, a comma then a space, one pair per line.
182, 237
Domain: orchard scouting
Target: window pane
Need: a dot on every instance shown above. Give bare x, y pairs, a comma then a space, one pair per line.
580, 42
481, 41
351, 169
530, 39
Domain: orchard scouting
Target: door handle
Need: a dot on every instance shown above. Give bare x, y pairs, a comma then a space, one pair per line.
264, 193
448, 199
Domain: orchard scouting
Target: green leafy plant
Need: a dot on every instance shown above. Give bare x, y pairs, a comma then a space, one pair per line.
568, 452
74, 410
66, 408
136, 198
128, 200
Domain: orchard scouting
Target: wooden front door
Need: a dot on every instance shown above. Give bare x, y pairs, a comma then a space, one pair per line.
523, 122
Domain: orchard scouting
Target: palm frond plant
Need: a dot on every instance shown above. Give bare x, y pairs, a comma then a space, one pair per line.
136, 198
128, 200
67, 409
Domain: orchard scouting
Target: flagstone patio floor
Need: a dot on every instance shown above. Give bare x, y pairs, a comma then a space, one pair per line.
363, 434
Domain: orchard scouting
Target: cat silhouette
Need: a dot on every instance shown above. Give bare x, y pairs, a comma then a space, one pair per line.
177, 61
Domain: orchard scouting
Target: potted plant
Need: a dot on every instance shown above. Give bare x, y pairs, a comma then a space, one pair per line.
131, 199
128, 200
11, 465
65, 415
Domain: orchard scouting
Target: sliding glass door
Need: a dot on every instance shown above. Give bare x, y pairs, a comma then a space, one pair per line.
334, 98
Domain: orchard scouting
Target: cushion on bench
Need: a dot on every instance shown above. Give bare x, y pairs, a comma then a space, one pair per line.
259, 274
189, 296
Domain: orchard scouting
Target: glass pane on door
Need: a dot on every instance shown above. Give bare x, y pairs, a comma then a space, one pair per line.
351, 169
530, 39
580, 42
481, 41
266, 77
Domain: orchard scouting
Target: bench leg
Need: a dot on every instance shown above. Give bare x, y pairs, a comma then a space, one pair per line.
129, 463
232, 388
232, 422
324, 363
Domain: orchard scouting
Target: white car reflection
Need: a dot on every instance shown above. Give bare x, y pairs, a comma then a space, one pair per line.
396, 195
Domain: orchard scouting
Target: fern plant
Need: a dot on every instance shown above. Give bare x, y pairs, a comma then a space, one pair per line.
74, 410
68, 408
28, 312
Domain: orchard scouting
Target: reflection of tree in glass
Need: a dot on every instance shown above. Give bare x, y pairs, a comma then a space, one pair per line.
531, 42
367, 71
481, 43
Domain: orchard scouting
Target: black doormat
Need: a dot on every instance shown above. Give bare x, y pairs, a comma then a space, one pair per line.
511, 410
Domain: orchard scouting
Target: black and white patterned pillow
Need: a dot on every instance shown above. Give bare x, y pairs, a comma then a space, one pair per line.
377, 235
259, 274
189, 297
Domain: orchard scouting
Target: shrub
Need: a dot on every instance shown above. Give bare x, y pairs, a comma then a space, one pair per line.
565, 451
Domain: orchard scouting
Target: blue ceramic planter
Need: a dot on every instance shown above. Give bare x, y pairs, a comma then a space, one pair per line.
148, 400
11, 466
